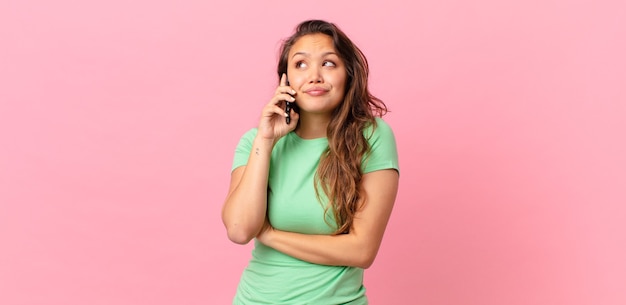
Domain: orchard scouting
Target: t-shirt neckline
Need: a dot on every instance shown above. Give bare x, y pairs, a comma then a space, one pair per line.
296, 137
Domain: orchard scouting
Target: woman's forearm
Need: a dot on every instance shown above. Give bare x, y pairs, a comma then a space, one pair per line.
245, 207
334, 250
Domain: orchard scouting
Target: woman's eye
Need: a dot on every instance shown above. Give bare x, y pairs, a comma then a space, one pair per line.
329, 64
300, 64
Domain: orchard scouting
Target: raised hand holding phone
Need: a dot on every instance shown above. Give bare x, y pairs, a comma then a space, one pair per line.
272, 124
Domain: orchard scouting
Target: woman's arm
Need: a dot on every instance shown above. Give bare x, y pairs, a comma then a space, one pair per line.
245, 207
244, 210
359, 247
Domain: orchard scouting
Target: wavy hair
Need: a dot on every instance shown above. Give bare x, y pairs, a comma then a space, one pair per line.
339, 173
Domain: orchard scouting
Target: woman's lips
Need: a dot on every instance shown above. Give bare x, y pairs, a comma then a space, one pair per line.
316, 91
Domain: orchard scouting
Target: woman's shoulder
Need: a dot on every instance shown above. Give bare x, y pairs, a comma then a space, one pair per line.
249, 135
380, 122
379, 128
246, 140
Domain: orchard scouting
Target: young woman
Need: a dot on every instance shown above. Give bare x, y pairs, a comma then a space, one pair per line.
314, 184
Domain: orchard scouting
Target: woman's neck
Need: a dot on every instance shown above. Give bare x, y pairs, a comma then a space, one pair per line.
312, 126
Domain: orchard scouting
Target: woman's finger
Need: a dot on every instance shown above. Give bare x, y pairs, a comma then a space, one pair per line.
271, 110
282, 97
284, 87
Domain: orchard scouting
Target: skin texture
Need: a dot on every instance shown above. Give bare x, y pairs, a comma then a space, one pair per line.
317, 79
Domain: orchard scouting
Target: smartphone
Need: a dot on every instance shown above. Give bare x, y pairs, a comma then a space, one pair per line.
288, 107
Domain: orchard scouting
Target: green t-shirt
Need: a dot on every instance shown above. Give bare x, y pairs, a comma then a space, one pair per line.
276, 278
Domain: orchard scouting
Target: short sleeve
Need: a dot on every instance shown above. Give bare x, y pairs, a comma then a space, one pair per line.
242, 152
383, 151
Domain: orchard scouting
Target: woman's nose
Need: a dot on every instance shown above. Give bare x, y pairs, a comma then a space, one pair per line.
315, 76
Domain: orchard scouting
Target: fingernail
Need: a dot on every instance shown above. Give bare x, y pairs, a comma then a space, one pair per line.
293, 91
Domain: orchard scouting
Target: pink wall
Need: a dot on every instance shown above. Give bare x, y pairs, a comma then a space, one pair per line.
119, 119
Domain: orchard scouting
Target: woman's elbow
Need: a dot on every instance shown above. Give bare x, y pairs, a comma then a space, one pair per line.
365, 259
239, 235
366, 263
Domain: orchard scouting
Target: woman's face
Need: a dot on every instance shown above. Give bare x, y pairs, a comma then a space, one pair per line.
316, 72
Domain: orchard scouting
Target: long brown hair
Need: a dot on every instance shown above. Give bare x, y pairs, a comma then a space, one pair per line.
339, 173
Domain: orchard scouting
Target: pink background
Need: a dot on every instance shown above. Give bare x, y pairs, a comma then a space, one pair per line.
119, 120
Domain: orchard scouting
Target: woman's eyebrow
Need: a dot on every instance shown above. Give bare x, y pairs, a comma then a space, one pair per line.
305, 54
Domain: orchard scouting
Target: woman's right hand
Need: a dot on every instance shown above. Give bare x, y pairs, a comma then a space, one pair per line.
272, 125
